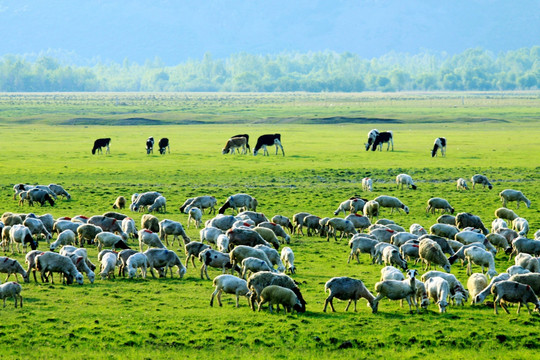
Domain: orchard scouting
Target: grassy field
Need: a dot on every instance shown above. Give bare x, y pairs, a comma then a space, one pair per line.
324, 164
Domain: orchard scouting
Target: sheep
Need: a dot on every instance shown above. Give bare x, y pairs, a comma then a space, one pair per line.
195, 216
169, 227
241, 252
150, 222
229, 284
158, 258
287, 259
37, 228
410, 251
222, 243
244, 223
404, 179
159, 205
446, 219
360, 222
401, 238
475, 284
312, 224
444, 230
258, 281
524, 245
324, 228
144, 199
511, 291
298, 221
135, 261
530, 278
30, 259
87, 232
119, 203
360, 244
61, 225
469, 237
462, 184
367, 184
239, 201
12, 266
109, 260
276, 295
391, 273
481, 257
342, 225
344, 207
193, 249
151, 239
506, 214
417, 229
384, 222
513, 195
11, 289
244, 236
10, 219
346, 288
357, 205
443, 243
20, 234
439, 203
66, 237
376, 255
397, 290
5, 240
223, 222
110, 214
79, 257
391, 256
481, 180
123, 257
202, 202
520, 225
277, 229
215, 259
210, 234
391, 202
498, 224
478, 299
464, 220
431, 253
49, 262
254, 265
257, 217
438, 290
517, 269
129, 227
283, 221
273, 256
109, 239
268, 235
527, 261
108, 224
40, 196
23, 196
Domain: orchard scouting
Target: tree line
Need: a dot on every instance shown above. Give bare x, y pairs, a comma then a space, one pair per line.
472, 70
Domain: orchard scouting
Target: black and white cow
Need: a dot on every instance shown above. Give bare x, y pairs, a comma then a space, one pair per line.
247, 140
381, 138
164, 145
372, 135
268, 140
99, 143
150, 145
439, 144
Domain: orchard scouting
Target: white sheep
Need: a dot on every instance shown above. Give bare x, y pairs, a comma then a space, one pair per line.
210, 234
158, 258
361, 245
475, 284
61, 225
513, 195
498, 224
109, 260
376, 254
456, 287
20, 234
404, 179
391, 256
344, 207
511, 291
481, 180
346, 288
87, 232
367, 184
222, 243
273, 256
517, 269
169, 227
283, 221
79, 257
481, 257
431, 253
277, 229
66, 237
417, 229
135, 261
360, 222
129, 227
149, 238
119, 203
216, 259
391, 202
506, 214
397, 290
12, 266
401, 238
391, 273
202, 202
462, 184
195, 216
268, 235
142, 200
49, 262
287, 258
528, 261
11, 289
438, 290
444, 230
521, 225
439, 203
229, 284
524, 245
241, 252
254, 265
159, 205
278, 295
37, 228
410, 251
298, 221
342, 225
480, 297
446, 219
108, 239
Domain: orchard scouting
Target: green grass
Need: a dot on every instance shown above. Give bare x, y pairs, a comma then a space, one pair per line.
324, 165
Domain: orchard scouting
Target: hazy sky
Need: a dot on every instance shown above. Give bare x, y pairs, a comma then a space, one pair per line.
178, 30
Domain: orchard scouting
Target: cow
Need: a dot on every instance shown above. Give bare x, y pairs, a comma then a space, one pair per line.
440, 143
372, 135
99, 143
247, 140
268, 140
235, 143
381, 138
150, 145
163, 146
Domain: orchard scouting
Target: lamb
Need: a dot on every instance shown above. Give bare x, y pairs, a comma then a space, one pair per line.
391, 273
276, 295
202, 202
438, 290
273, 256
520, 225
287, 258
129, 227
11, 289
222, 243
12, 266
109, 260
257, 217
144, 199
30, 259
462, 184
210, 234
531, 279
397, 290
254, 265
158, 258
469, 237
324, 228
247, 237
215, 259
258, 281
446, 219
404, 179
524, 245
239, 201
417, 229
159, 205
23, 196
529, 262
268, 235
513, 195
476, 283
193, 249
360, 244
481, 257
119, 203
108, 224
135, 261
169, 227
244, 223
391, 202
464, 220
229, 284
478, 299
439, 203
360, 222
20, 234
87, 232
49, 262
511, 291
357, 205
391, 256
506, 214
277, 229
241, 252
481, 180
346, 288
109, 239
150, 222
283, 221
123, 256
367, 184
37, 228
342, 225
298, 221
444, 230
66, 237
151, 239
431, 253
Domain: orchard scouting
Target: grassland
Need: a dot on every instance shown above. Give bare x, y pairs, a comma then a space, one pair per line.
324, 164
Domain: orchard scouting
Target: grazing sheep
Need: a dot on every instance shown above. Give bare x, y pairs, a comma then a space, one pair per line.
245, 236
391, 256
143, 200
344, 207
357, 205
49, 262
107, 239
410, 251
506, 214
10, 219
361, 245
193, 250
268, 235
202, 202
61, 225
129, 227
273, 256
498, 224
513, 195
431, 253
468, 237
298, 221
138, 260
417, 229
476, 283
404, 179
216, 259
40, 196
520, 225
446, 219
460, 253
222, 243
109, 260
66, 237
242, 252
346, 288
464, 220
478, 299
257, 217
438, 290
287, 258
481, 180
311, 222
257, 282
391, 273
360, 222
120, 203
195, 216
229, 284
30, 259
514, 292
223, 222
517, 269
283, 221
509, 234
401, 238
455, 285
150, 222
376, 255
87, 232
443, 243
444, 230
20, 234
111, 214
12, 266
151, 239
528, 261
439, 203
244, 223
108, 224
367, 184
169, 227
239, 201
397, 290
481, 257
462, 184
524, 245
210, 234
79, 257
277, 229
391, 202
253, 265
11, 289
159, 205
163, 258
277, 295
342, 225
530, 278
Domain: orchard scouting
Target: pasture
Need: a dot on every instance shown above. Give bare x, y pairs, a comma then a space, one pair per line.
324, 165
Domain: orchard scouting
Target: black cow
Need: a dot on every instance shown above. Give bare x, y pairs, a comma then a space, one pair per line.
381, 138
99, 143
268, 140
163, 146
247, 139
372, 135
440, 143
150, 145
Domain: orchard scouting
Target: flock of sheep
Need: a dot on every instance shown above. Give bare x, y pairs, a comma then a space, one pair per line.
247, 243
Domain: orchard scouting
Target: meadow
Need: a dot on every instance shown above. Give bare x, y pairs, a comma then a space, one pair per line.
48, 138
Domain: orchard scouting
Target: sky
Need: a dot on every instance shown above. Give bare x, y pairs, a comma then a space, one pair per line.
176, 31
